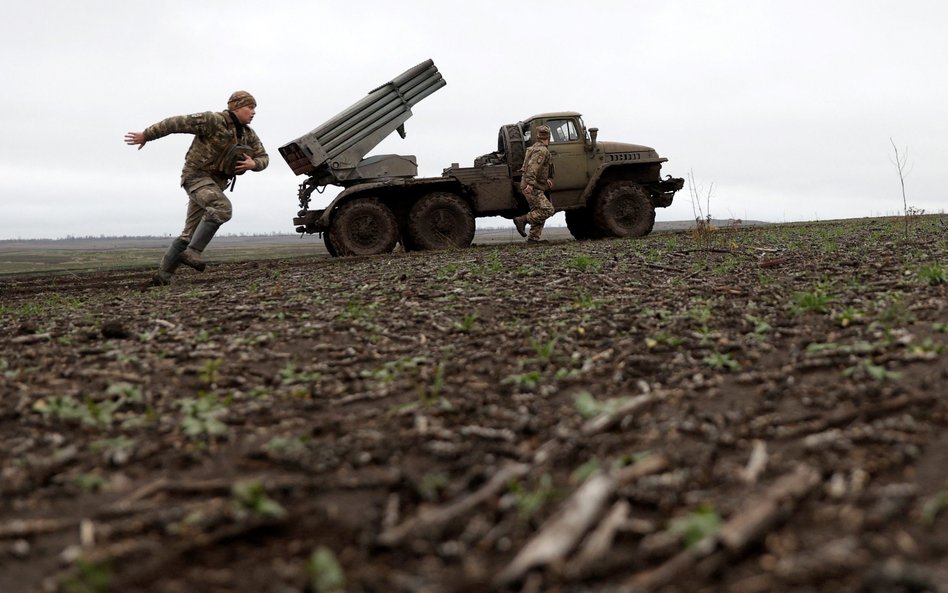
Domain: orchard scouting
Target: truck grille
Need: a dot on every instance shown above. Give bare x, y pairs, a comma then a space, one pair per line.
625, 156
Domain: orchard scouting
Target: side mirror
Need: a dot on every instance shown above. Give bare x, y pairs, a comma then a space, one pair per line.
593, 134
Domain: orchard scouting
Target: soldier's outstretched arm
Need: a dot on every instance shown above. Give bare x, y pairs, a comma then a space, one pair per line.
133, 138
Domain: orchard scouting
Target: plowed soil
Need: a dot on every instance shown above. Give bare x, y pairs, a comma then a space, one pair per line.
744, 410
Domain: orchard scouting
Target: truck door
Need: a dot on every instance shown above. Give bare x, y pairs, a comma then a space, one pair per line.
569, 161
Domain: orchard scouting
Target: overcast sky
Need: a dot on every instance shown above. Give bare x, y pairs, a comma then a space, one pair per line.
782, 110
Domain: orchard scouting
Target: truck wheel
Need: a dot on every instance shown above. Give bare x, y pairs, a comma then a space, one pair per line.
623, 209
510, 142
329, 246
440, 220
581, 225
363, 226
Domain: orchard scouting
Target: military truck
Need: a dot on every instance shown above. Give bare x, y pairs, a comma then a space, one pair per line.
607, 189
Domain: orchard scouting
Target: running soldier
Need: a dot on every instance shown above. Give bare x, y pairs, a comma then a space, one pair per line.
537, 179
224, 146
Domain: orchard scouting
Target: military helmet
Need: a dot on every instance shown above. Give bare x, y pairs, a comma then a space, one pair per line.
543, 132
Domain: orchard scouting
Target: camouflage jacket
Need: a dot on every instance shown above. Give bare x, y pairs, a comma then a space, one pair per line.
214, 135
537, 167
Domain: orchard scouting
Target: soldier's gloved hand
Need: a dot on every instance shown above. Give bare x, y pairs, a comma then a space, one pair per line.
244, 165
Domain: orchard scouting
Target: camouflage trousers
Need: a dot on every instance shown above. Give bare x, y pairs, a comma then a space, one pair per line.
206, 201
540, 209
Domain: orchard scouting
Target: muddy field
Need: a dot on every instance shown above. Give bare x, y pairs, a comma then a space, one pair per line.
750, 410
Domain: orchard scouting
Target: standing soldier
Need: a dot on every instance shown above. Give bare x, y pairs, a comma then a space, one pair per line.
224, 146
537, 178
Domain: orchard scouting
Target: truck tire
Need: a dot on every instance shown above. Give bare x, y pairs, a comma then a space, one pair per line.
581, 225
329, 246
510, 142
364, 226
440, 220
623, 209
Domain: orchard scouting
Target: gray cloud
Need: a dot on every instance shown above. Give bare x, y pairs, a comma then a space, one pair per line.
785, 107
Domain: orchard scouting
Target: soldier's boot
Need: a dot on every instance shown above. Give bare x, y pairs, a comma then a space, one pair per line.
521, 223
169, 263
203, 234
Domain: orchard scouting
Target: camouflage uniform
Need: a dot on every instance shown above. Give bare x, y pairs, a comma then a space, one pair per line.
219, 140
537, 166
203, 177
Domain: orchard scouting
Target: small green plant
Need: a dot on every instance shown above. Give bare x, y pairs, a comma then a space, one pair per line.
663, 339
286, 447
658, 314
325, 573
761, 327
432, 484
390, 371
589, 407
209, 373
290, 375
89, 482
358, 312
816, 300
492, 266
582, 473
529, 502
126, 392
5, 370
250, 499
721, 361
201, 416
584, 301
527, 380
848, 316
933, 506
702, 314
121, 443
447, 272
895, 311
544, 350
563, 373
696, 525
89, 577
88, 412
933, 274
51, 302
867, 369
437, 382
584, 262
257, 340
927, 346
466, 324
941, 328
726, 266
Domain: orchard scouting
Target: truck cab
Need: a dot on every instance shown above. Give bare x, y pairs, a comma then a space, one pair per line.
574, 160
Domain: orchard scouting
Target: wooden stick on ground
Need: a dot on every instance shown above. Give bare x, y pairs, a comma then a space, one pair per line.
734, 537
562, 532
427, 521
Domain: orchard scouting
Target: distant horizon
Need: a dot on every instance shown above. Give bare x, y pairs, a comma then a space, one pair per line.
493, 227
224, 235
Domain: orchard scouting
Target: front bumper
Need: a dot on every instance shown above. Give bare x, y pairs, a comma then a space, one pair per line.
663, 192
308, 221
